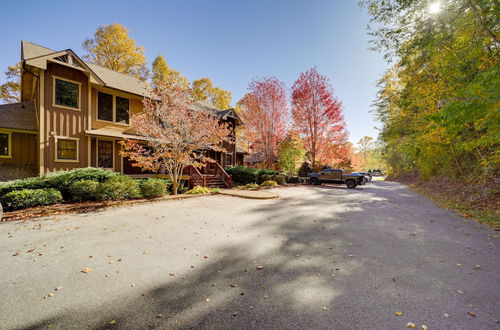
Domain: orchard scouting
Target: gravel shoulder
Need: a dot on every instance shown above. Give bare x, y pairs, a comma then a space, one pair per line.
332, 258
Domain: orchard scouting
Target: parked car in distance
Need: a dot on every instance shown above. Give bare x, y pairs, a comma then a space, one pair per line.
377, 173
337, 176
368, 176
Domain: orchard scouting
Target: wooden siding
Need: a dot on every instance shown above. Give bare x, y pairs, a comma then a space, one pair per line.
135, 107
24, 149
64, 122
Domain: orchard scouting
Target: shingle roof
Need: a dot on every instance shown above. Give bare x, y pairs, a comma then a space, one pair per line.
110, 78
30, 50
20, 116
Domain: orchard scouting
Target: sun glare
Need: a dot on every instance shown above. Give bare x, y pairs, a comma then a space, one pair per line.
435, 7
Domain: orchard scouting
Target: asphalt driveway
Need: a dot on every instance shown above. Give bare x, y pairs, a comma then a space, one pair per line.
317, 258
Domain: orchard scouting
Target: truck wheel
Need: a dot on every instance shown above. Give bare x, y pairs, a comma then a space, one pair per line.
351, 184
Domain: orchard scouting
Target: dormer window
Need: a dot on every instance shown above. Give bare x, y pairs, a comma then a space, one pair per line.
113, 108
66, 94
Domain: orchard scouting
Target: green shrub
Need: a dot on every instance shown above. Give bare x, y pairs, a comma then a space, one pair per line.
292, 179
84, 190
151, 188
242, 174
251, 186
61, 180
21, 199
38, 182
118, 187
202, 190
265, 177
305, 169
269, 183
279, 178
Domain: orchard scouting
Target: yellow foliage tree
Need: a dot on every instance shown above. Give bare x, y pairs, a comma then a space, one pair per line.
112, 48
203, 90
162, 73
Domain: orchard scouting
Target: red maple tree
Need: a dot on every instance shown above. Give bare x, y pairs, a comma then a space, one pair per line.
318, 119
175, 129
266, 116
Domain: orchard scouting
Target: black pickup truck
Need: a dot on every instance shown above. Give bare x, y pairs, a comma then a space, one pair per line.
337, 176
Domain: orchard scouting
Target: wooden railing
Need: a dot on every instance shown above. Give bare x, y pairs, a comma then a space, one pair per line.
195, 177
228, 180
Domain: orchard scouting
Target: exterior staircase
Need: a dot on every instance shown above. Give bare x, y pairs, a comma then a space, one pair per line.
214, 181
214, 176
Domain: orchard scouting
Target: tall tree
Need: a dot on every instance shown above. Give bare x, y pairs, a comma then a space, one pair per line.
318, 119
290, 154
203, 90
266, 116
112, 48
163, 74
439, 102
175, 129
365, 145
10, 91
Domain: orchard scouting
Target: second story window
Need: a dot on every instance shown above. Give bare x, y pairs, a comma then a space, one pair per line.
66, 94
113, 108
122, 110
105, 106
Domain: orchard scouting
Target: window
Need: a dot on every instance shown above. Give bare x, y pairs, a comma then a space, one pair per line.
105, 106
66, 149
104, 154
5, 145
229, 159
122, 110
66, 94
113, 108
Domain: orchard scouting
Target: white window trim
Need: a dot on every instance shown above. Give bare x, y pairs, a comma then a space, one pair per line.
54, 78
97, 153
9, 144
77, 160
113, 109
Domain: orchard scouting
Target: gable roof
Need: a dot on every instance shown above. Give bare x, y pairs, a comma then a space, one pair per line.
110, 78
21, 116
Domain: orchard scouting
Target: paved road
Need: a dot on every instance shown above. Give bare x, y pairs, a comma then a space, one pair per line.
333, 259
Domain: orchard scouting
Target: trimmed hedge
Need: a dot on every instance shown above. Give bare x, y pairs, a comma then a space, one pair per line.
118, 187
202, 190
279, 178
61, 180
21, 199
151, 188
84, 190
243, 175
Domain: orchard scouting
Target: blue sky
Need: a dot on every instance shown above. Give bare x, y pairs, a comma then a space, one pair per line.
228, 41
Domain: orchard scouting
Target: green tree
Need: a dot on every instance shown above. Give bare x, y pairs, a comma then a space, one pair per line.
10, 91
290, 154
162, 73
439, 102
112, 48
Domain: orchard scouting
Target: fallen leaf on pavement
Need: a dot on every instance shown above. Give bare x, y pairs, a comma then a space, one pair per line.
410, 325
49, 296
472, 314
233, 285
236, 314
324, 308
477, 267
86, 270
399, 313
206, 257
90, 257
446, 315
112, 322
260, 267
460, 291
159, 316
424, 327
